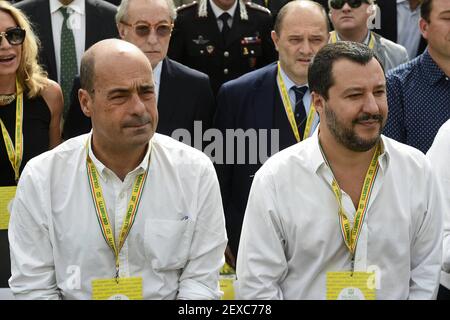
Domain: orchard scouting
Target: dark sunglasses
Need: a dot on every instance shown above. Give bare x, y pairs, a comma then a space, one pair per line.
143, 30
15, 36
338, 4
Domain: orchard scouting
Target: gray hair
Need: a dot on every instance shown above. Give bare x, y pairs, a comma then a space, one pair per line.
122, 10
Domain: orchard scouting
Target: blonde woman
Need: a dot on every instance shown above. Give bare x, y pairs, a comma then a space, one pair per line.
30, 111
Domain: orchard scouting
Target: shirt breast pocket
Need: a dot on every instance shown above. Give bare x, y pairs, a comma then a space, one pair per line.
167, 242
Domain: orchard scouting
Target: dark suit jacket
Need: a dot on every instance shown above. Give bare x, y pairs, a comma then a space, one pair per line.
185, 96
249, 102
100, 24
197, 42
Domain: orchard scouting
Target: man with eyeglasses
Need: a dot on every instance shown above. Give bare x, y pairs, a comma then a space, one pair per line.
184, 95
222, 38
66, 28
350, 19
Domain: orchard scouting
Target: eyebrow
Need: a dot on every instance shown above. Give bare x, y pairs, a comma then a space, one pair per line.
139, 88
360, 89
148, 23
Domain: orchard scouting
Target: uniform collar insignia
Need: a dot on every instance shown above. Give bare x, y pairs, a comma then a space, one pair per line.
203, 9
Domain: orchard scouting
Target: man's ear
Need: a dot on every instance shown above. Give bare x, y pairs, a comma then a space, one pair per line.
121, 29
423, 26
85, 102
275, 38
318, 101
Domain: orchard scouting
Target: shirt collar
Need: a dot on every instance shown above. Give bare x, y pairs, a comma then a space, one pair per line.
157, 72
317, 160
430, 69
102, 169
287, 81
366, 40
218, 12
76, 5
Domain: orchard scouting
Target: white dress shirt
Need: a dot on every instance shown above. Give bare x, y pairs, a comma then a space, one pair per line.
439, 155
408, 32
157, 78
291, 235
78, 24
289, 84
218, 12
176, 244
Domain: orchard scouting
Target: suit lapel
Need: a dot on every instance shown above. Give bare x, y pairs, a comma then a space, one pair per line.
46, 36
236, 27
166, 103
263, 102
212, 27
91, 23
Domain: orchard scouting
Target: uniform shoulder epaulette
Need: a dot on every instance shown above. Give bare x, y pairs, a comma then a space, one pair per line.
257, 7
186, 6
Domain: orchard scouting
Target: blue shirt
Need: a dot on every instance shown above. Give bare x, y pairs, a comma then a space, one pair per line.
418, 95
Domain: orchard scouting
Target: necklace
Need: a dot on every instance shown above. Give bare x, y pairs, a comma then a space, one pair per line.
6, 99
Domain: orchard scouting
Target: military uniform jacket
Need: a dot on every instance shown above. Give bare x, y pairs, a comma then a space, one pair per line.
197, 41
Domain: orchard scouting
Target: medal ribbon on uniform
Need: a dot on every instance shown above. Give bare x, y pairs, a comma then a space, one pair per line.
351, 235
15, 152
371, 45
290, 113
100, 207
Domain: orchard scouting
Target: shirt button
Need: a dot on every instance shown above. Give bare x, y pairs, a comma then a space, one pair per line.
446, 78
252, 51
226, 54
122, 195
225, 71
201, 51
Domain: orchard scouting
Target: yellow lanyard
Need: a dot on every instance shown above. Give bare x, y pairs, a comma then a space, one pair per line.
371, 45
100, 207
351, 235
290, 112
15, 153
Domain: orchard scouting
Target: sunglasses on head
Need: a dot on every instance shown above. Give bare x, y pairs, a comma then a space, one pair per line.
143, 29
15, 36
338, 4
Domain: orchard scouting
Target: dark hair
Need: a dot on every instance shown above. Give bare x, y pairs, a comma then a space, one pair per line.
425, 9
284, 10
320, 76
87, 72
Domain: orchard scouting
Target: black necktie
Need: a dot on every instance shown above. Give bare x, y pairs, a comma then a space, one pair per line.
225, 28
299, 110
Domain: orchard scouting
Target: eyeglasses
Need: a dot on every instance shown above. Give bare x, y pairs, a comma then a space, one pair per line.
143, 29
15, 36
338, 4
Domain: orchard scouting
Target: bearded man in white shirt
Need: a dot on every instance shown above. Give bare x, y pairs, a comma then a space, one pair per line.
439, 155
348, 213
121, 212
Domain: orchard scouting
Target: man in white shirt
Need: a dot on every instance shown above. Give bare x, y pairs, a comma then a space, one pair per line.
350, 20
121, 211
348, 213
439, 155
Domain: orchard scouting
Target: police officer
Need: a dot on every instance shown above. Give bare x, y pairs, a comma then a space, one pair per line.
222, 38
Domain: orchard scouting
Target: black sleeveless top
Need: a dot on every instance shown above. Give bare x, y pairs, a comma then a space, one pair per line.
36, 123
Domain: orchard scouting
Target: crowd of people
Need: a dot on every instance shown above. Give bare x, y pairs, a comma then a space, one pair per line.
327, 173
